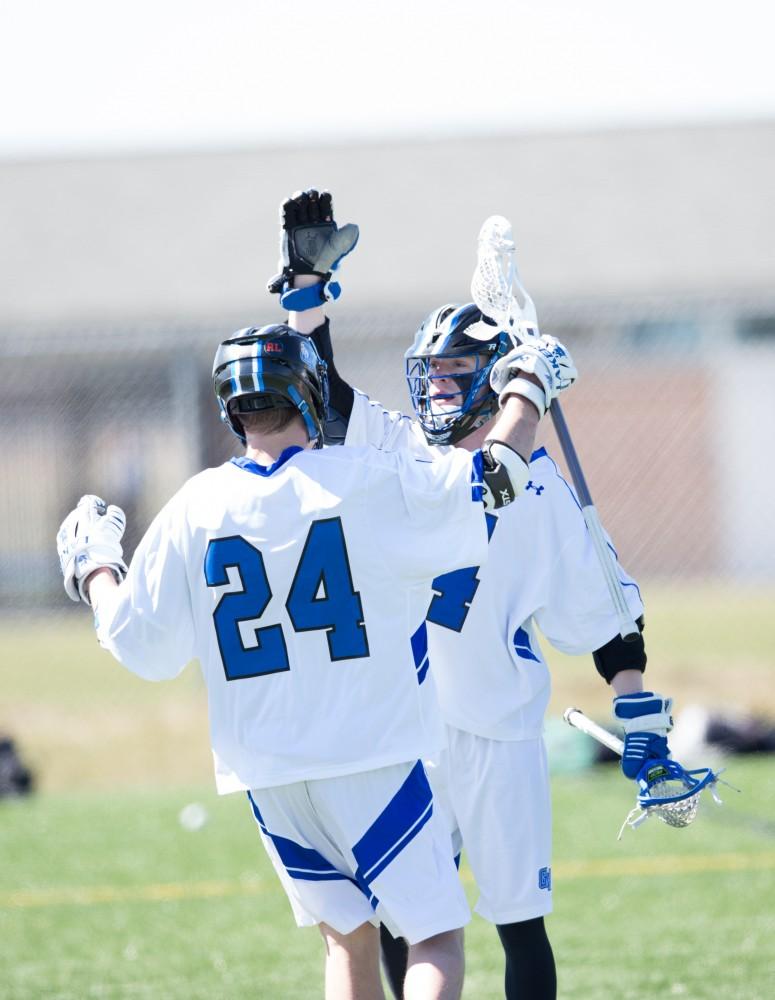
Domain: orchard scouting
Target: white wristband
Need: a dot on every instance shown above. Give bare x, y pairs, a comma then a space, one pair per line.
659, 723
529, 390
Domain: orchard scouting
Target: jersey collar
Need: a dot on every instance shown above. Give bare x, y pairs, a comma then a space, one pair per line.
249, 465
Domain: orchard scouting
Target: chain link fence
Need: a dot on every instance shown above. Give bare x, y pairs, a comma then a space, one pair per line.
672, 418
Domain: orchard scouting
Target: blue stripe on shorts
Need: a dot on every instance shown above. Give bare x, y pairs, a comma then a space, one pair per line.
300, 862
396, 826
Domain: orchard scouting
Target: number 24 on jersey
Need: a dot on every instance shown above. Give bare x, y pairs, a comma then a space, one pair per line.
321, 597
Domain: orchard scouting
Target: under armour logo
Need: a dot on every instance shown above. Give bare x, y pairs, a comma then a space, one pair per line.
531, 486
545, 878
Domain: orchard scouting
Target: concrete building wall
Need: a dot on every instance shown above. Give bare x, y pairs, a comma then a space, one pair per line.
666, 212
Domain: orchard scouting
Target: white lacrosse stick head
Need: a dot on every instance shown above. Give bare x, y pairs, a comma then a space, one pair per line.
496, 286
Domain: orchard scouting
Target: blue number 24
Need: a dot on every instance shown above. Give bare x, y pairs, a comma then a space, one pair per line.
321, 596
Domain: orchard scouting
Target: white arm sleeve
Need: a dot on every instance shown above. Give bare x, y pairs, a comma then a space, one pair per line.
148, 623
577, 615
371, 423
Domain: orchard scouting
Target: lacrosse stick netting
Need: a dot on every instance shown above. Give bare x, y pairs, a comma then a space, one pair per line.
665, 788
496, 287
498, 292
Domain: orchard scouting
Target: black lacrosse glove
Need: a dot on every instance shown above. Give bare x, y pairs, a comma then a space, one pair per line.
310, 243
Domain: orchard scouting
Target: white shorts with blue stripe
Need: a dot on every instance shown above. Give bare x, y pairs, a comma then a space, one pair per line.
363, 847
495, 798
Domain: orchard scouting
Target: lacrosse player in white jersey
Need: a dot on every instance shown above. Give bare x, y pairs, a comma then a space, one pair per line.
541, 573
300, 578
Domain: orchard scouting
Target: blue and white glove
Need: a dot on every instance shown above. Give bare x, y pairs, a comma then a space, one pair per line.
547, 359
88, 539
646, 720
310, 243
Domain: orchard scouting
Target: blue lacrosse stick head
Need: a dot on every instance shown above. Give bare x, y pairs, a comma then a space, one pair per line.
663, 782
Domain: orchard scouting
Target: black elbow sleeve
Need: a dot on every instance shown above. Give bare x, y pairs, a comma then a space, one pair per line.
619, 655
340, 394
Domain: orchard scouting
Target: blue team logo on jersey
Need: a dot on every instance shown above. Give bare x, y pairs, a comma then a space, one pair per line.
545, 879
532, 486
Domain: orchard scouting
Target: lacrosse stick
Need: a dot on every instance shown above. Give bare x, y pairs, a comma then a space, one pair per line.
498, 291
666, 789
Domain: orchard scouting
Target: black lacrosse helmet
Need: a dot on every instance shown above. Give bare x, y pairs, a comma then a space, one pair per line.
268, 367
454, 331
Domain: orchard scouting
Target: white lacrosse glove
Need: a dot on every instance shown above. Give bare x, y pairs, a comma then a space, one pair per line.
646, 721
88, 539
547, 359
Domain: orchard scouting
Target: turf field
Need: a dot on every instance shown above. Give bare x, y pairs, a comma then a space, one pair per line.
104, 894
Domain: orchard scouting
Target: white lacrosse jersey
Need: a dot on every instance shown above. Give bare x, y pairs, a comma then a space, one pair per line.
541, 570
302, 589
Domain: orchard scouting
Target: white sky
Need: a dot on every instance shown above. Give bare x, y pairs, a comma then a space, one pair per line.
83, 76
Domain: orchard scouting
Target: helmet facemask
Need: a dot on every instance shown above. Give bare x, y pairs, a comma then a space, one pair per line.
451, 404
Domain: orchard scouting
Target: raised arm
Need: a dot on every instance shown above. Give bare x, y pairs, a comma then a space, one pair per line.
526, 381
312, 247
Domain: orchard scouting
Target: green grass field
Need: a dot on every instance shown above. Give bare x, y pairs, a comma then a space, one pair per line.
107, 896
103, 894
